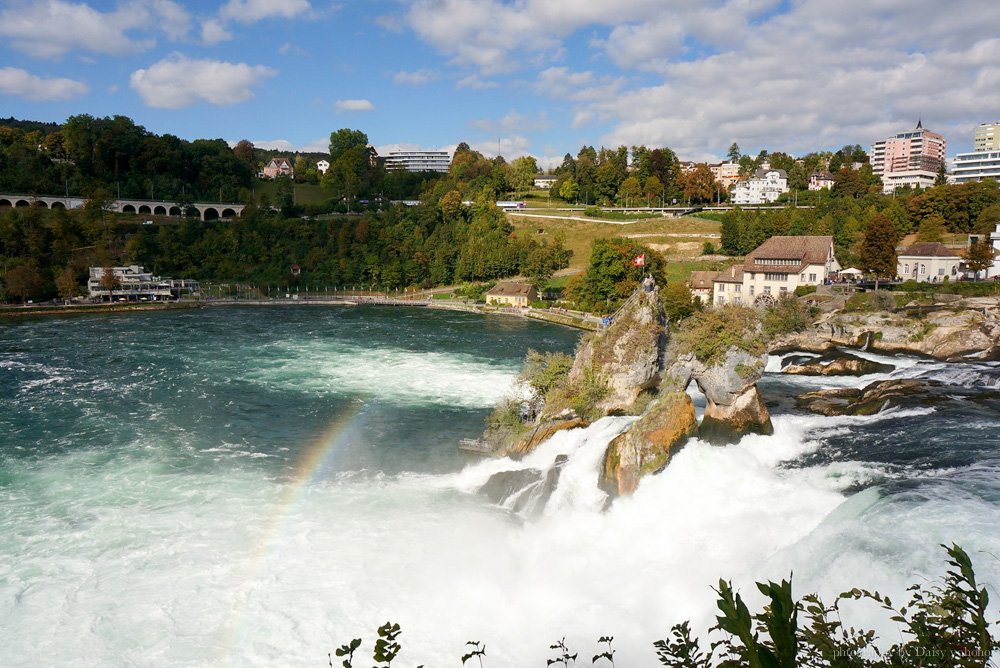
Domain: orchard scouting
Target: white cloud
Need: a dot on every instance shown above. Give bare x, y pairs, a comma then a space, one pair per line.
314, 146
178, 81
20, 83
251, 11
214, 31
353, 105
52, 28
475, 83
513, 122
415, 78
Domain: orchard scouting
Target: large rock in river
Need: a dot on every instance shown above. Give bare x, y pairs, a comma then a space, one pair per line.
649, 443
837, 364
726, 423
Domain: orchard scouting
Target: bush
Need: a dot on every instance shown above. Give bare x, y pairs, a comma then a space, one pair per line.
804, 290
543, 371
710, 334
708, 248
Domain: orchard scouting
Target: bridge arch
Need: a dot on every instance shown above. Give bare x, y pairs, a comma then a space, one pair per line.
6, 202
22, 203
144, 208
210, 213
159, 210
174, 211
57, 205
228, 213
128, 208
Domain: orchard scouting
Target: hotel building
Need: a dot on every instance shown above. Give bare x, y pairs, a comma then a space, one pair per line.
909, 159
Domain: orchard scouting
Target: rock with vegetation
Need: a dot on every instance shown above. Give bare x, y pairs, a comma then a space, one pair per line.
871, 399
626, 356
649, 443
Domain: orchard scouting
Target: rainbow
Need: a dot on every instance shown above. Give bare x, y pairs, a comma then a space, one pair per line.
314, 464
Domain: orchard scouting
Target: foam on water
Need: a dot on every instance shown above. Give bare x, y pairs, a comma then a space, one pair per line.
392, 374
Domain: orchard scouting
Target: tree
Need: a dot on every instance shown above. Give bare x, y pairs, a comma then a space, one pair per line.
653, 188
878, 247
109, 281
569, 190
699, 184
66, 283
932, 228
942, 176
629, 191
25, 281
980, 256
678, 303
246, 153
734, 152
522, 173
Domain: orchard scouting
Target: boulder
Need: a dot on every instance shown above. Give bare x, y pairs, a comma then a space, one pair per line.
647, 445
871, 399
526, 491
835, 364
727, 423
541, 433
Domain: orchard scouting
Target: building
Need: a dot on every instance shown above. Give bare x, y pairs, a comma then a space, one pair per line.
545, 182
727, 286
928, 261
726, 173
764, 187
700, 284
775, 268
278, 166
322, 166
994, 237
820, 179
986, 137
133, 284
512, 294
418, 161
908, 159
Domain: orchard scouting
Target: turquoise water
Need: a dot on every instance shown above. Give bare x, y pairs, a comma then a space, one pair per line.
256, 486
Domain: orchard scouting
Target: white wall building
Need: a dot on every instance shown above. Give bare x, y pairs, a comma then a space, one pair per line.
928, 262
976, 166
322, 166
763, 187
418, 161
775, 268
133, 283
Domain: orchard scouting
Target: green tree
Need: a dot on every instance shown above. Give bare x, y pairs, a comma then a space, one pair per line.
653, 189
980, 256
932, 228
25, 281
66, 283
522, 173
878, 247
678, 303
734, 152
569, 190
629, 191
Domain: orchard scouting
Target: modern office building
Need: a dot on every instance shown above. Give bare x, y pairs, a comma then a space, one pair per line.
133, 283
418, 161
908, 159
987, 137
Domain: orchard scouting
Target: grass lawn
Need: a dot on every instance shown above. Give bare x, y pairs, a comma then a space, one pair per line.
580, 235
305, 193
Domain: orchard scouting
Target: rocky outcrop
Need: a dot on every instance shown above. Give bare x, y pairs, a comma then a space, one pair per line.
836, 364
733, 404
726, 423
525, 491
542, 433
648, 444
870, 399
627, 354
968, 329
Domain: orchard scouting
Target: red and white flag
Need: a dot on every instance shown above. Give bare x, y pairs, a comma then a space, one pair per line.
640, 260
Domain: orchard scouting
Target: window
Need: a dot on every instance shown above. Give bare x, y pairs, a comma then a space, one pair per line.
923, 269
941, 271
812, 278
751, 290
722, 287
906, 268
775, 277
783, 292
737, 301
722, 300
737, 287
767, 289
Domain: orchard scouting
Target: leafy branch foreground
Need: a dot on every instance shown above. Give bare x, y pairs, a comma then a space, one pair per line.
942, 625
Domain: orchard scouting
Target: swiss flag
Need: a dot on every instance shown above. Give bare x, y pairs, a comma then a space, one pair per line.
640, 260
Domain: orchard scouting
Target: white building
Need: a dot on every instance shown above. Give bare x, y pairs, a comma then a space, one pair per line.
994, 237
986, 137
820, 179
322, 166
133, 284
545, 182
700, 284
762, 188
418, 161
928, 262
976, 166
775, 268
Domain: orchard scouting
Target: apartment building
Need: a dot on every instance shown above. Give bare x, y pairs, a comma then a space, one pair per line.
418, 161
764, 187
983, 162
908, 159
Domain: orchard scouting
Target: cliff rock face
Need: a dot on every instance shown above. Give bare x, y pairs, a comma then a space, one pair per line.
542, 433
648, 444
733, 403
627, 354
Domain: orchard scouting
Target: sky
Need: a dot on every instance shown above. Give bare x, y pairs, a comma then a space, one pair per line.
522, 77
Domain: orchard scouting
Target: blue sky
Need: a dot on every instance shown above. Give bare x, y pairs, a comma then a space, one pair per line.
542, 77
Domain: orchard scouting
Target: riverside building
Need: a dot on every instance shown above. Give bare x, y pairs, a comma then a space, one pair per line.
133, 284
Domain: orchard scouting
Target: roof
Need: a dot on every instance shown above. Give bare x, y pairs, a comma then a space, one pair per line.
762, 173
701, 280
732, 275
511, 290
808, 250
277, 160
928, 249
821, 174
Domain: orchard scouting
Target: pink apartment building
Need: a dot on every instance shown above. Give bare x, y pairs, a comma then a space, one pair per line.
909, 159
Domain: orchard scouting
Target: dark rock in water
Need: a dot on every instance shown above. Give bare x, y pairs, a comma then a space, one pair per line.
727, 424
835, 364
873, 398
531, 489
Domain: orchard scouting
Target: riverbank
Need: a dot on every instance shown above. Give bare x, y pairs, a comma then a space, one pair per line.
42, 310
